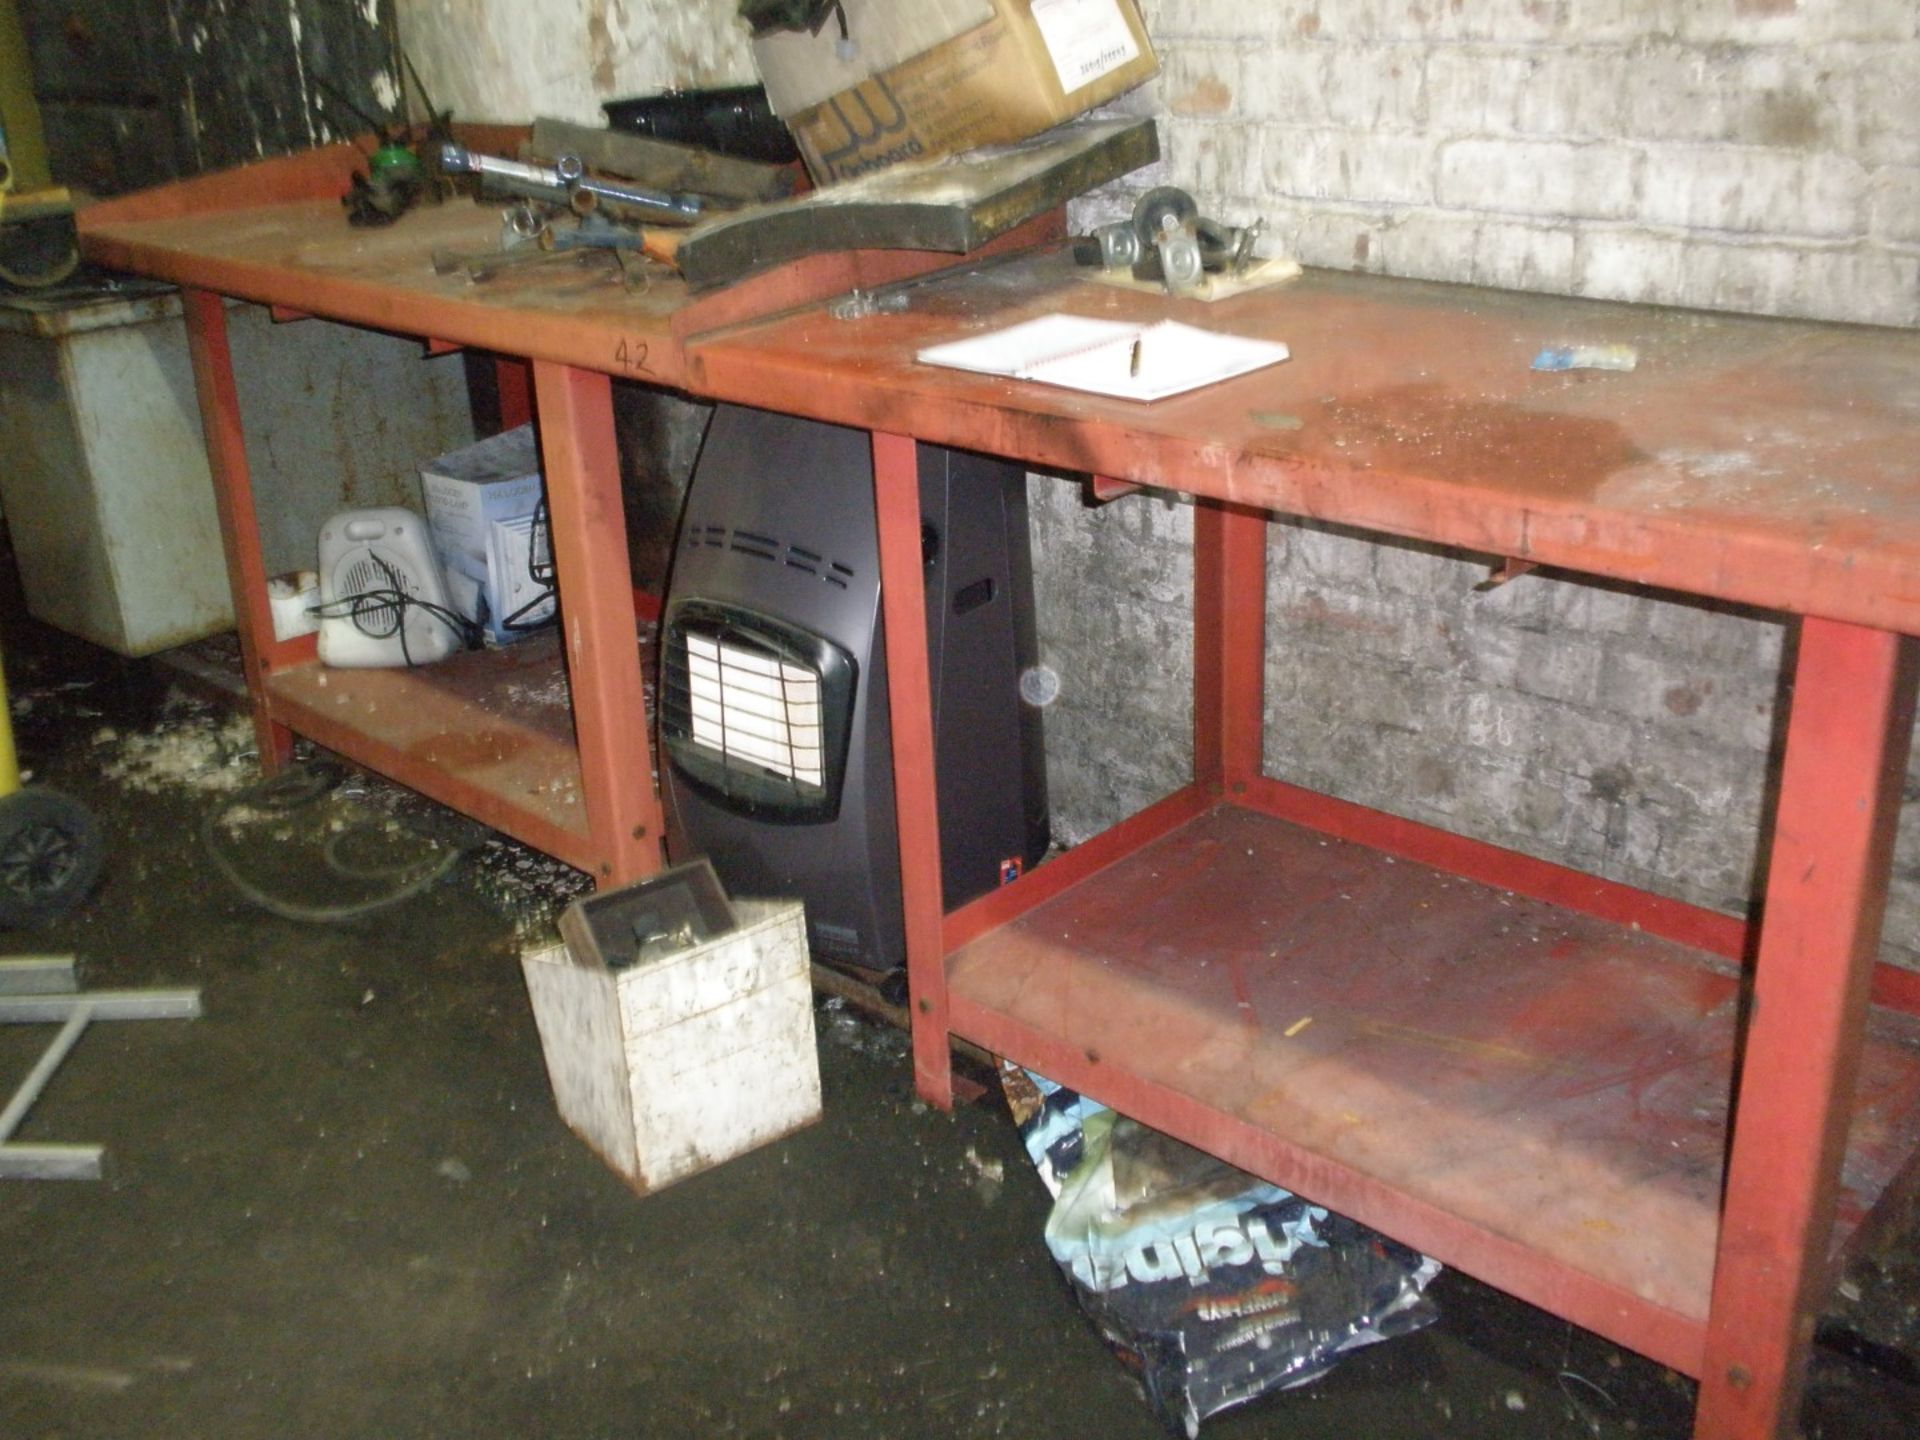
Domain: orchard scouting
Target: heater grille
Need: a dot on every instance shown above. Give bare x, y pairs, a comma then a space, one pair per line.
371, 574
756, 711
750, 706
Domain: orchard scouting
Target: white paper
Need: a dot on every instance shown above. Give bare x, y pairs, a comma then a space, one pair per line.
1109, 357
1086, 38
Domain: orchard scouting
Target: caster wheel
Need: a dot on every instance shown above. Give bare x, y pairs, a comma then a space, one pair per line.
1163, 208
51, 852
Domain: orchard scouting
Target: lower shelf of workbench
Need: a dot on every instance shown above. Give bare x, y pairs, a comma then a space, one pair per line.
487, 732
1534, 1095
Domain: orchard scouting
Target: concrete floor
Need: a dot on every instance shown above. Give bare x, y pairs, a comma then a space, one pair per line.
341, 1204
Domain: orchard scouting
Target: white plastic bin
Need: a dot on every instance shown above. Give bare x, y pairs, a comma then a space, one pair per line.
103, 474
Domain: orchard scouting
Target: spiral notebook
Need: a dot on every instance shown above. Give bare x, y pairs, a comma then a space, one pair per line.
1109, 357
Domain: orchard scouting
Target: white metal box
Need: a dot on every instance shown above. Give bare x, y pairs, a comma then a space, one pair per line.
481, 502
103, 473
671, 1066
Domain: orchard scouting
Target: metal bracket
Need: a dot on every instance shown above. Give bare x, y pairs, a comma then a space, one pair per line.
1104, 488
1508, 570
43, 989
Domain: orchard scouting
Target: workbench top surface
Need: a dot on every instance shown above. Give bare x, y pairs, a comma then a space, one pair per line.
1773, 463
572, 306
274, 232
1767, 462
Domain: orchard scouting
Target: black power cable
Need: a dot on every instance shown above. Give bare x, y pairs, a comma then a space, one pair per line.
541, 572
290, 791
383, 612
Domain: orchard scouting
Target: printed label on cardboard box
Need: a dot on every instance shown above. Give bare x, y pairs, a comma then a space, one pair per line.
1087, 39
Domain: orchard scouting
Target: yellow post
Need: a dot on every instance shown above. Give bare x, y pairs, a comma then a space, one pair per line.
23, 163
9, 757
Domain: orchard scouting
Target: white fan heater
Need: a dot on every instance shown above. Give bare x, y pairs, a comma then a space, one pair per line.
368, 558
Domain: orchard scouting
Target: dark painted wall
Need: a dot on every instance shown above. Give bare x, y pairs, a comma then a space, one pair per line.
134, 92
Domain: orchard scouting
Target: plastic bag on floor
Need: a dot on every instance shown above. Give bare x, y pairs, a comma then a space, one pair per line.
1211, 1284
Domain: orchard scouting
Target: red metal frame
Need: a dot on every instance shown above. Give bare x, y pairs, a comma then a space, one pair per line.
212, 359
603, 661
589, 538
1229, 643
896, 485
1814, 970
1813, 967
513, 382
1847, 741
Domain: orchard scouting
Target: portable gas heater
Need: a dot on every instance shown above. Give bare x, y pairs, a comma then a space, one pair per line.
773, 696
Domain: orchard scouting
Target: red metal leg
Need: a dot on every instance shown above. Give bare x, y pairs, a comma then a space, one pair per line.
206, 318
513, 390
1229, 642
596, 606
1847, 743
903, 601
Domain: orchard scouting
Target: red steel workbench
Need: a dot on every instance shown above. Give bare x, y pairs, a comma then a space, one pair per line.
564, 765
1526, 1071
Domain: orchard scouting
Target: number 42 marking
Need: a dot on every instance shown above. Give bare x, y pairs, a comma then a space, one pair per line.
632, 356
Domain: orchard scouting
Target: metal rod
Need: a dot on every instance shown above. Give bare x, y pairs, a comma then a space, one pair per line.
50, 1162
102, 1005
566, 182
433, 115
573, 172
43, 1069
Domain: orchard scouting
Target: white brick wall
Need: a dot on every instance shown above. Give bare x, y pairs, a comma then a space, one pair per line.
509, 61
1732, 154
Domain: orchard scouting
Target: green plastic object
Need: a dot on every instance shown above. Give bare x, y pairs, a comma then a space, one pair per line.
392, 162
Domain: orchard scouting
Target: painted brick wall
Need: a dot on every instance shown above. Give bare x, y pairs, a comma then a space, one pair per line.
1754, 155
509, 60
1735, 154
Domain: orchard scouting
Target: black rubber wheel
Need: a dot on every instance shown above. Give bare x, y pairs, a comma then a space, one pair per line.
38, 253
1159, 205
51, 852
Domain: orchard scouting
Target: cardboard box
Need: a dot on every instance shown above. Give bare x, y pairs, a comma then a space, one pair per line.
925, 78
481, 502
670, 1066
